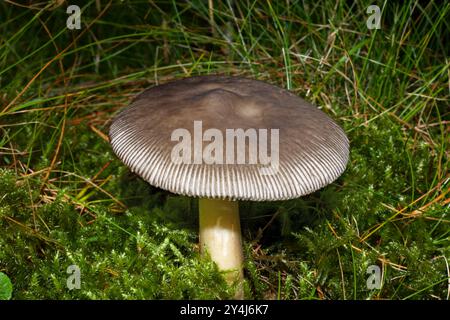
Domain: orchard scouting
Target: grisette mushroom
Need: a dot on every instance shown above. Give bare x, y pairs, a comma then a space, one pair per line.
224, 139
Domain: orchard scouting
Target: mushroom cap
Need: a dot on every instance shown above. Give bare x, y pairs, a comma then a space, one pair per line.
313, 149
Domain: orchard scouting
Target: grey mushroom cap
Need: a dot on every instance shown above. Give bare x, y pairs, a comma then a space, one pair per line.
313, 149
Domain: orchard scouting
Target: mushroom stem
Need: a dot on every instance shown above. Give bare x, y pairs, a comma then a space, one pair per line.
220, 236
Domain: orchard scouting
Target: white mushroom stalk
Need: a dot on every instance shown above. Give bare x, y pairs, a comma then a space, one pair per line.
220, 237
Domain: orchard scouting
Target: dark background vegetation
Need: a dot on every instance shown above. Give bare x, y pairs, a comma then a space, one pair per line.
66, 199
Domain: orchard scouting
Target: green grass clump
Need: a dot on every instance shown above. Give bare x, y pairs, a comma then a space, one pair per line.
65, 199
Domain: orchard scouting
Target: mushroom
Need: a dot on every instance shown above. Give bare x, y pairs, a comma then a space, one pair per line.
224, 139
